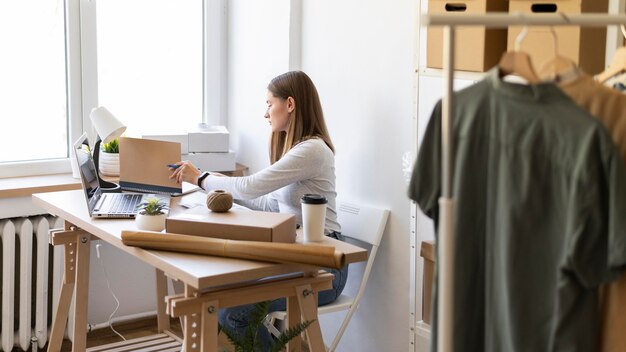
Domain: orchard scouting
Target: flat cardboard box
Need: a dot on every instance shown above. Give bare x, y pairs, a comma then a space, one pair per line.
583, 45
208, 139
236, 224
428, 253
213, 161
477, 49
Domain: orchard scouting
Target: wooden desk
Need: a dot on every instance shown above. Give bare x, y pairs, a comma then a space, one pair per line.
210, 282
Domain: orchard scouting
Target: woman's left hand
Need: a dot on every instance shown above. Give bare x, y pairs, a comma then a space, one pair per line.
186, 172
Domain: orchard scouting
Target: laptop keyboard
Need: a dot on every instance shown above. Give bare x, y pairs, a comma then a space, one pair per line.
126, 204
121, 203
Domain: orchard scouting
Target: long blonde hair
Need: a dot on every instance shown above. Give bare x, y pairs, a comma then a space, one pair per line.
307, 119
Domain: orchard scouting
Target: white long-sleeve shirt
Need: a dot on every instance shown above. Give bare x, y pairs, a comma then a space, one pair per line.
309, 167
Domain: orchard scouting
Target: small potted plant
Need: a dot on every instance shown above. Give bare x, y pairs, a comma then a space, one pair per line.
151, 215
110, 158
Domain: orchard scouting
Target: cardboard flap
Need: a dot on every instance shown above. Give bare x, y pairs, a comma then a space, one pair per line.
143, 165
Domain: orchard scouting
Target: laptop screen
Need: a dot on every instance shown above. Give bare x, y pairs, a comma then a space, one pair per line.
87, 170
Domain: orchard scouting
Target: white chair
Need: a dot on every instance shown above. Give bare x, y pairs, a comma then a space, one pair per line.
358, 222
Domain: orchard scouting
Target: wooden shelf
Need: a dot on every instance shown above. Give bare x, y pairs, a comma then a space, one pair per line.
25, 186
436, 72
13, 187
161, 342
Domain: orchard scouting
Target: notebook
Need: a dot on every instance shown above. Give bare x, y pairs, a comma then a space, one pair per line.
101, 204
143, 165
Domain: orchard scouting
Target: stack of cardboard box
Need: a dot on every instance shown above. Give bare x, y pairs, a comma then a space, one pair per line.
205, 146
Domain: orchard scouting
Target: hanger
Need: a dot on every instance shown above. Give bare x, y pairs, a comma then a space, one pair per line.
617, 65
558, 68
517, 62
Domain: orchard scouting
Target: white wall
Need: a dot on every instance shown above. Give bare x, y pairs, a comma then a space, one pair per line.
360, 56
131, 280
258, 35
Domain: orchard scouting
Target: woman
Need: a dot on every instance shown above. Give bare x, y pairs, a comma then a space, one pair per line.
302, 161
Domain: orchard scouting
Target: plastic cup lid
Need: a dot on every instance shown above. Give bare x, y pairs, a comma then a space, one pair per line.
313, 199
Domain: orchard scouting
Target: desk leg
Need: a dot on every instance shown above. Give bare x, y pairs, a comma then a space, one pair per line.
209, 326
293, 317
75, 281
179, 288
83, 248
163, 321
308, 306
65, 299
191, 325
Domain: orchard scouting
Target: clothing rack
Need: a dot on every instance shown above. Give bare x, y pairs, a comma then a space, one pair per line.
445, 243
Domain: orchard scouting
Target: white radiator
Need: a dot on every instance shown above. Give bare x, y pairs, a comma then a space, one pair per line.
26, 315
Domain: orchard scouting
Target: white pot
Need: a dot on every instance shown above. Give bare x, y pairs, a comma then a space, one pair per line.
150, 222
109, 163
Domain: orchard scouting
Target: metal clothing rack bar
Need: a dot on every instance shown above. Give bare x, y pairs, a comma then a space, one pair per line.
445, 243
503, 20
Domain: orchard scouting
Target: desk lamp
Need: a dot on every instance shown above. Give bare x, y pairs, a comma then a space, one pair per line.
107, 127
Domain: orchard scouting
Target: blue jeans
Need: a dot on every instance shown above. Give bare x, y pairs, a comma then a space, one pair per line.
237, 318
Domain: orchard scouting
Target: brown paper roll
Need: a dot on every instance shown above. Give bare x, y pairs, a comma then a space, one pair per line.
319, 255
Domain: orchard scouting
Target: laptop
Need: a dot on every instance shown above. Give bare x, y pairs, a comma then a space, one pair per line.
101, 204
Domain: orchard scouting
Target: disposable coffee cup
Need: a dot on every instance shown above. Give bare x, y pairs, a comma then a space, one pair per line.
313, 217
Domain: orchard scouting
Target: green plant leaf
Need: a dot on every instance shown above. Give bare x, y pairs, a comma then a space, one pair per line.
282, 340
248, 340
111, 147
152, 206
234, 338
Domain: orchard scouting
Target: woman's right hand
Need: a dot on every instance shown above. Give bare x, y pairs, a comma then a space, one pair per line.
185, 172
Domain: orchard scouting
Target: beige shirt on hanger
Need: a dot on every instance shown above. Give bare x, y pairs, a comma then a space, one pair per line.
609, 106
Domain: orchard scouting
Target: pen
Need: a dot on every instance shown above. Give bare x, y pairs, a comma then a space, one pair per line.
175, 166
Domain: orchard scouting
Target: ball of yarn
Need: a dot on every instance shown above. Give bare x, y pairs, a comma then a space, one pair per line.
219, 200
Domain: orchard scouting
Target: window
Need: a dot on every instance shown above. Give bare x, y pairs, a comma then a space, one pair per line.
33, 81
150, 62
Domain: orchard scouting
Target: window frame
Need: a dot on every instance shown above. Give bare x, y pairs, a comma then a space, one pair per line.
82, 77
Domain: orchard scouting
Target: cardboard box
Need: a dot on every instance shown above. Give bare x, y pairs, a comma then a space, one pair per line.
583, 45
213, 161
208, 139
476, 48
428, 253
235, 224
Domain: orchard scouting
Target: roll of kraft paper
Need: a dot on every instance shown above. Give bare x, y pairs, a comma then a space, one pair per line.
319, 255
